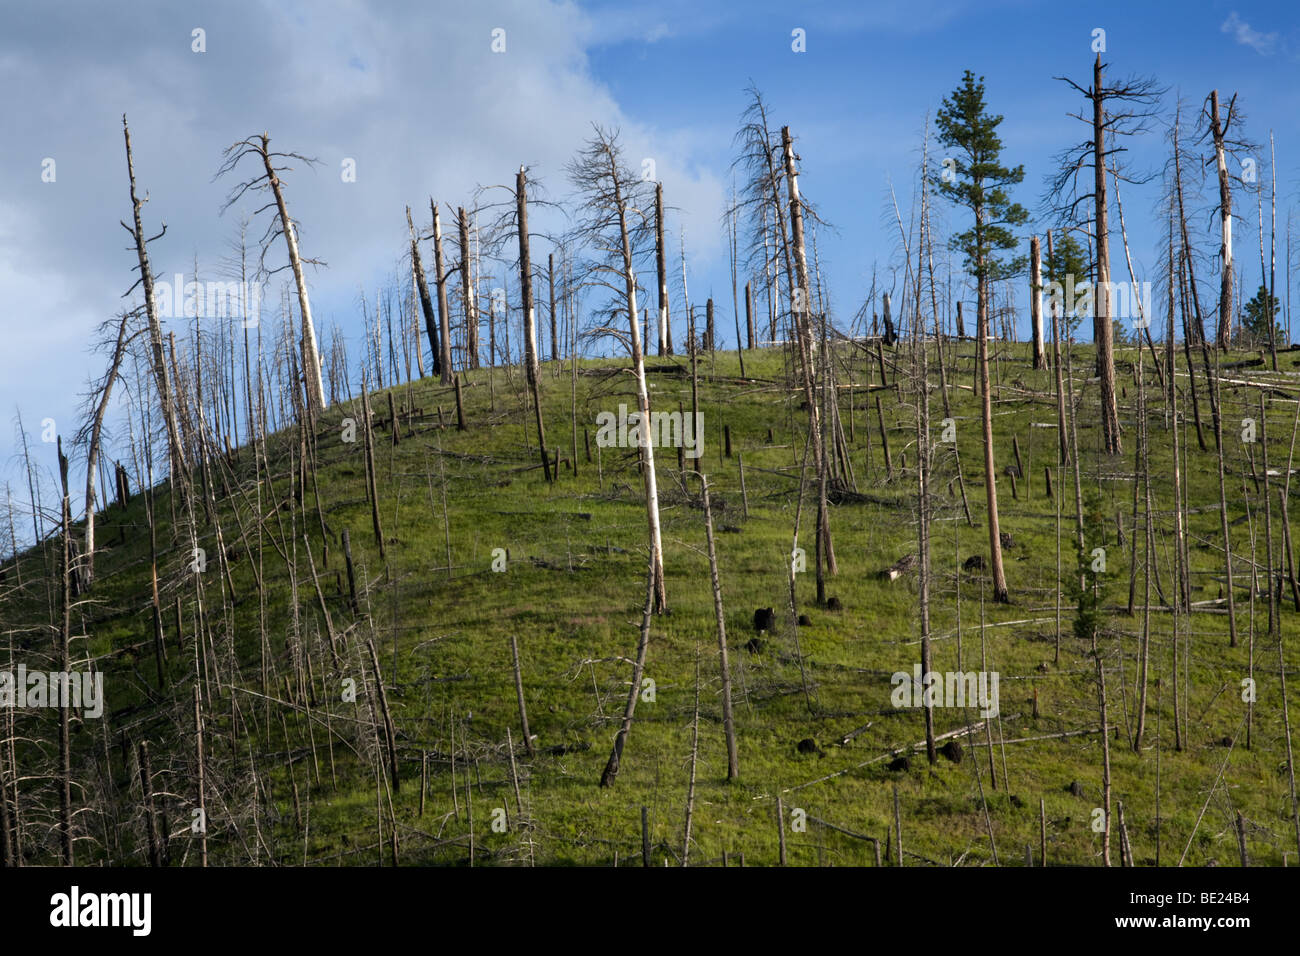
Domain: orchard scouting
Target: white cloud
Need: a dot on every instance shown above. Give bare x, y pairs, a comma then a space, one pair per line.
1265, 44
415, 96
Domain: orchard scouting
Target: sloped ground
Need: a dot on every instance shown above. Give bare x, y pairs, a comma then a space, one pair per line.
296, 771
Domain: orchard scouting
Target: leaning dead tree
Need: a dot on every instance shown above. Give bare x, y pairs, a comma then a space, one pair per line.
92, 432
426, 303
268, 180
157, 358
724, 665
610, 773
615, 223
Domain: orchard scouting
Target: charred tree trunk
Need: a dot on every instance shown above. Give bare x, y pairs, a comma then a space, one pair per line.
665, 329
426, 304
1219, 129
550, 278
467, 292
444, 318
1101, 298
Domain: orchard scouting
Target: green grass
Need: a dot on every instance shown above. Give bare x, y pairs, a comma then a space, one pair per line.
442, 638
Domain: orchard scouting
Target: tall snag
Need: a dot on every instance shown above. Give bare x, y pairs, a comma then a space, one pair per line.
158, 360
467, 299
1218, 127
259, 147
614, 222
1136, 100
444, 310
530, 322
426, 303
801, 313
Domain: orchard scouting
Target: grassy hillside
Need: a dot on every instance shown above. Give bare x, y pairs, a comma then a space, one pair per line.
296, 772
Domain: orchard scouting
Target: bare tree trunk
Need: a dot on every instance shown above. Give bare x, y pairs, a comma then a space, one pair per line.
923, 525
530, 326
444, 318
311, 373
1219, 129
1148, 533
749, 313
519, 694
1272, 251
92, 451
199, 783
1105, 752
1142, 321
179, 466
390, 736
1290, 756
1101, 297
372, 484
1223, 520
1188, 260
800, 309
1062, 436
550, 276
634, 691
146, 787
735, 299
65, 665
665, 330
695, 753
728, 724
468, 301
1036, 301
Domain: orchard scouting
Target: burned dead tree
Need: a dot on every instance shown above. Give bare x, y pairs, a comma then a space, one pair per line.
281, 224
92, 433
426, 303
157, 358
468, 302
615, 226
444, 310
1121, 109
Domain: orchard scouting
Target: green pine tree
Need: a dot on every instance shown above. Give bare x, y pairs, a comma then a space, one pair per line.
974, 177
1256, 316
1069, 268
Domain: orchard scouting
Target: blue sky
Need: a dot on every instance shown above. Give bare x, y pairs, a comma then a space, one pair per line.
414, 95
